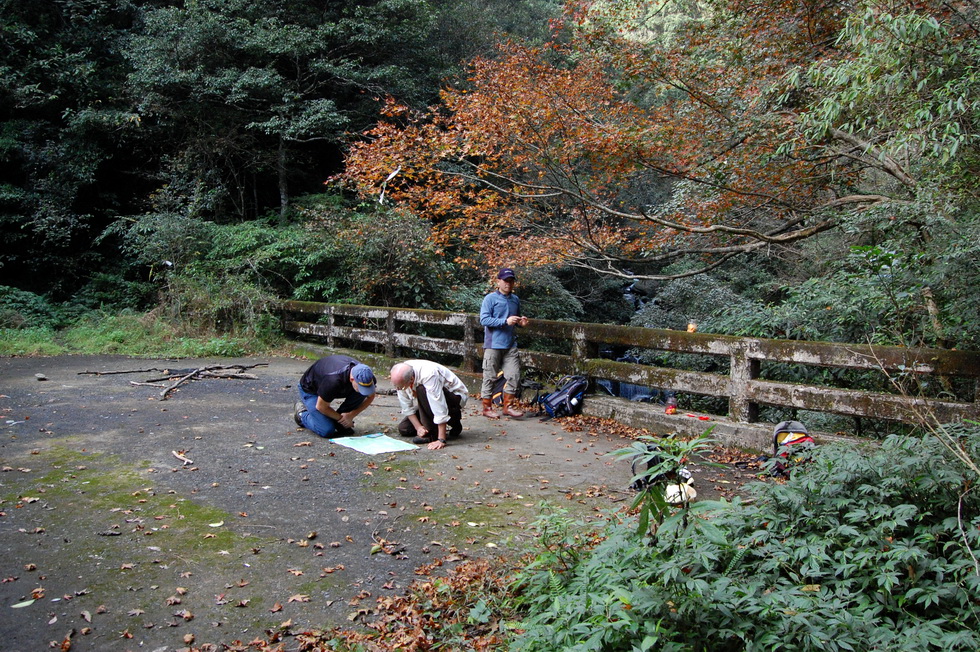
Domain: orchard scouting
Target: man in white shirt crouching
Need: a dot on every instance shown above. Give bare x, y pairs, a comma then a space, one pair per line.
432, 399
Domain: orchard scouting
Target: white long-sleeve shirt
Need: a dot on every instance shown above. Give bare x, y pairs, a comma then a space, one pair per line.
434, 378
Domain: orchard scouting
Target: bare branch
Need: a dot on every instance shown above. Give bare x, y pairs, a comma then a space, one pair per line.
887, 163
609, 270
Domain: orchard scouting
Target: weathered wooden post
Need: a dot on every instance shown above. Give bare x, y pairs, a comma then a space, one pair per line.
743, 370
330, 325
469, 343
390, 330
580, 349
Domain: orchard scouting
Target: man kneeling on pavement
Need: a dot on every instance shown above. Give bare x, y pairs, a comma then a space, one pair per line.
432, 399
328, 379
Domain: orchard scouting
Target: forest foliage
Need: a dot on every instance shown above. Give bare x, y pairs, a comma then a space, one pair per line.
814, 163
659, 140
131, 128
775, 168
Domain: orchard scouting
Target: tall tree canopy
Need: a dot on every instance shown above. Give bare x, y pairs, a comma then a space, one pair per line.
248, 90
64, 124
173, 110
653, 132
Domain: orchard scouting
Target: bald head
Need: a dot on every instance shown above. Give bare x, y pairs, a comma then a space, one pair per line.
402, 376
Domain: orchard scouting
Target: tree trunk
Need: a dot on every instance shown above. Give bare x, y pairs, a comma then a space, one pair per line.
283, 183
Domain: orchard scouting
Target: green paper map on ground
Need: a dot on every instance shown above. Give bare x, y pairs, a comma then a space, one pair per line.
374, 444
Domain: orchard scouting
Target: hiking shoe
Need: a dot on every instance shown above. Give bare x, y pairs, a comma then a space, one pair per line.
488, 410
298, 410
490, 413
512, 413
508, 411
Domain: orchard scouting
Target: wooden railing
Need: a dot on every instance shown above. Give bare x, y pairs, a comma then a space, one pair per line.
390, 331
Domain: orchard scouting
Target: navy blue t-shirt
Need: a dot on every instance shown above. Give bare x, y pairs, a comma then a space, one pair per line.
329, 378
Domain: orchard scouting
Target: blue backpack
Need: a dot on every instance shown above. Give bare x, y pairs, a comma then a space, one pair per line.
566, 400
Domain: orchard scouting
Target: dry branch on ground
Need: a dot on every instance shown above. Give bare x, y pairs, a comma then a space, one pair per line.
181, 376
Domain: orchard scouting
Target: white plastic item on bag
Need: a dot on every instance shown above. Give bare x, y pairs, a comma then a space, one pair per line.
675, 494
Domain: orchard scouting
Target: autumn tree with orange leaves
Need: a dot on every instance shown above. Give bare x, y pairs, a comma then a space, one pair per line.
652, 133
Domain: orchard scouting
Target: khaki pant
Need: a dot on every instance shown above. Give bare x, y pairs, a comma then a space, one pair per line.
493, 361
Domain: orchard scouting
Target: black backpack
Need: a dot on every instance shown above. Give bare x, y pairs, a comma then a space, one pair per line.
497, 393
566, 400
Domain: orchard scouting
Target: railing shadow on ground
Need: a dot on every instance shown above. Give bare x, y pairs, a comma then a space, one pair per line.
456, 339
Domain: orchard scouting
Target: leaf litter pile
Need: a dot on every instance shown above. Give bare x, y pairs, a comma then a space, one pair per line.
450, 612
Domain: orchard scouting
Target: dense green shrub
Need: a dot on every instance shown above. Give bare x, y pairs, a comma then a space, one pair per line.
684, 300
113, 290
229, 278
881, 294
865, 549
23, 309
206, 304
386, 258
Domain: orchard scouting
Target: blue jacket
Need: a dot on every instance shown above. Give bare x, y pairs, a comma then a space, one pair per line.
494, 312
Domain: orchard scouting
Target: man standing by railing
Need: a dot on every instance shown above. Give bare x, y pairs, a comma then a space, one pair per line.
500, 315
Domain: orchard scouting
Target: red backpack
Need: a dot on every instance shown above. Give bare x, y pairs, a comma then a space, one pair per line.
790, 443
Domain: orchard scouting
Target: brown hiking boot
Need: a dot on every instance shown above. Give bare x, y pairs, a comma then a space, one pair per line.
513, 413
488, 410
